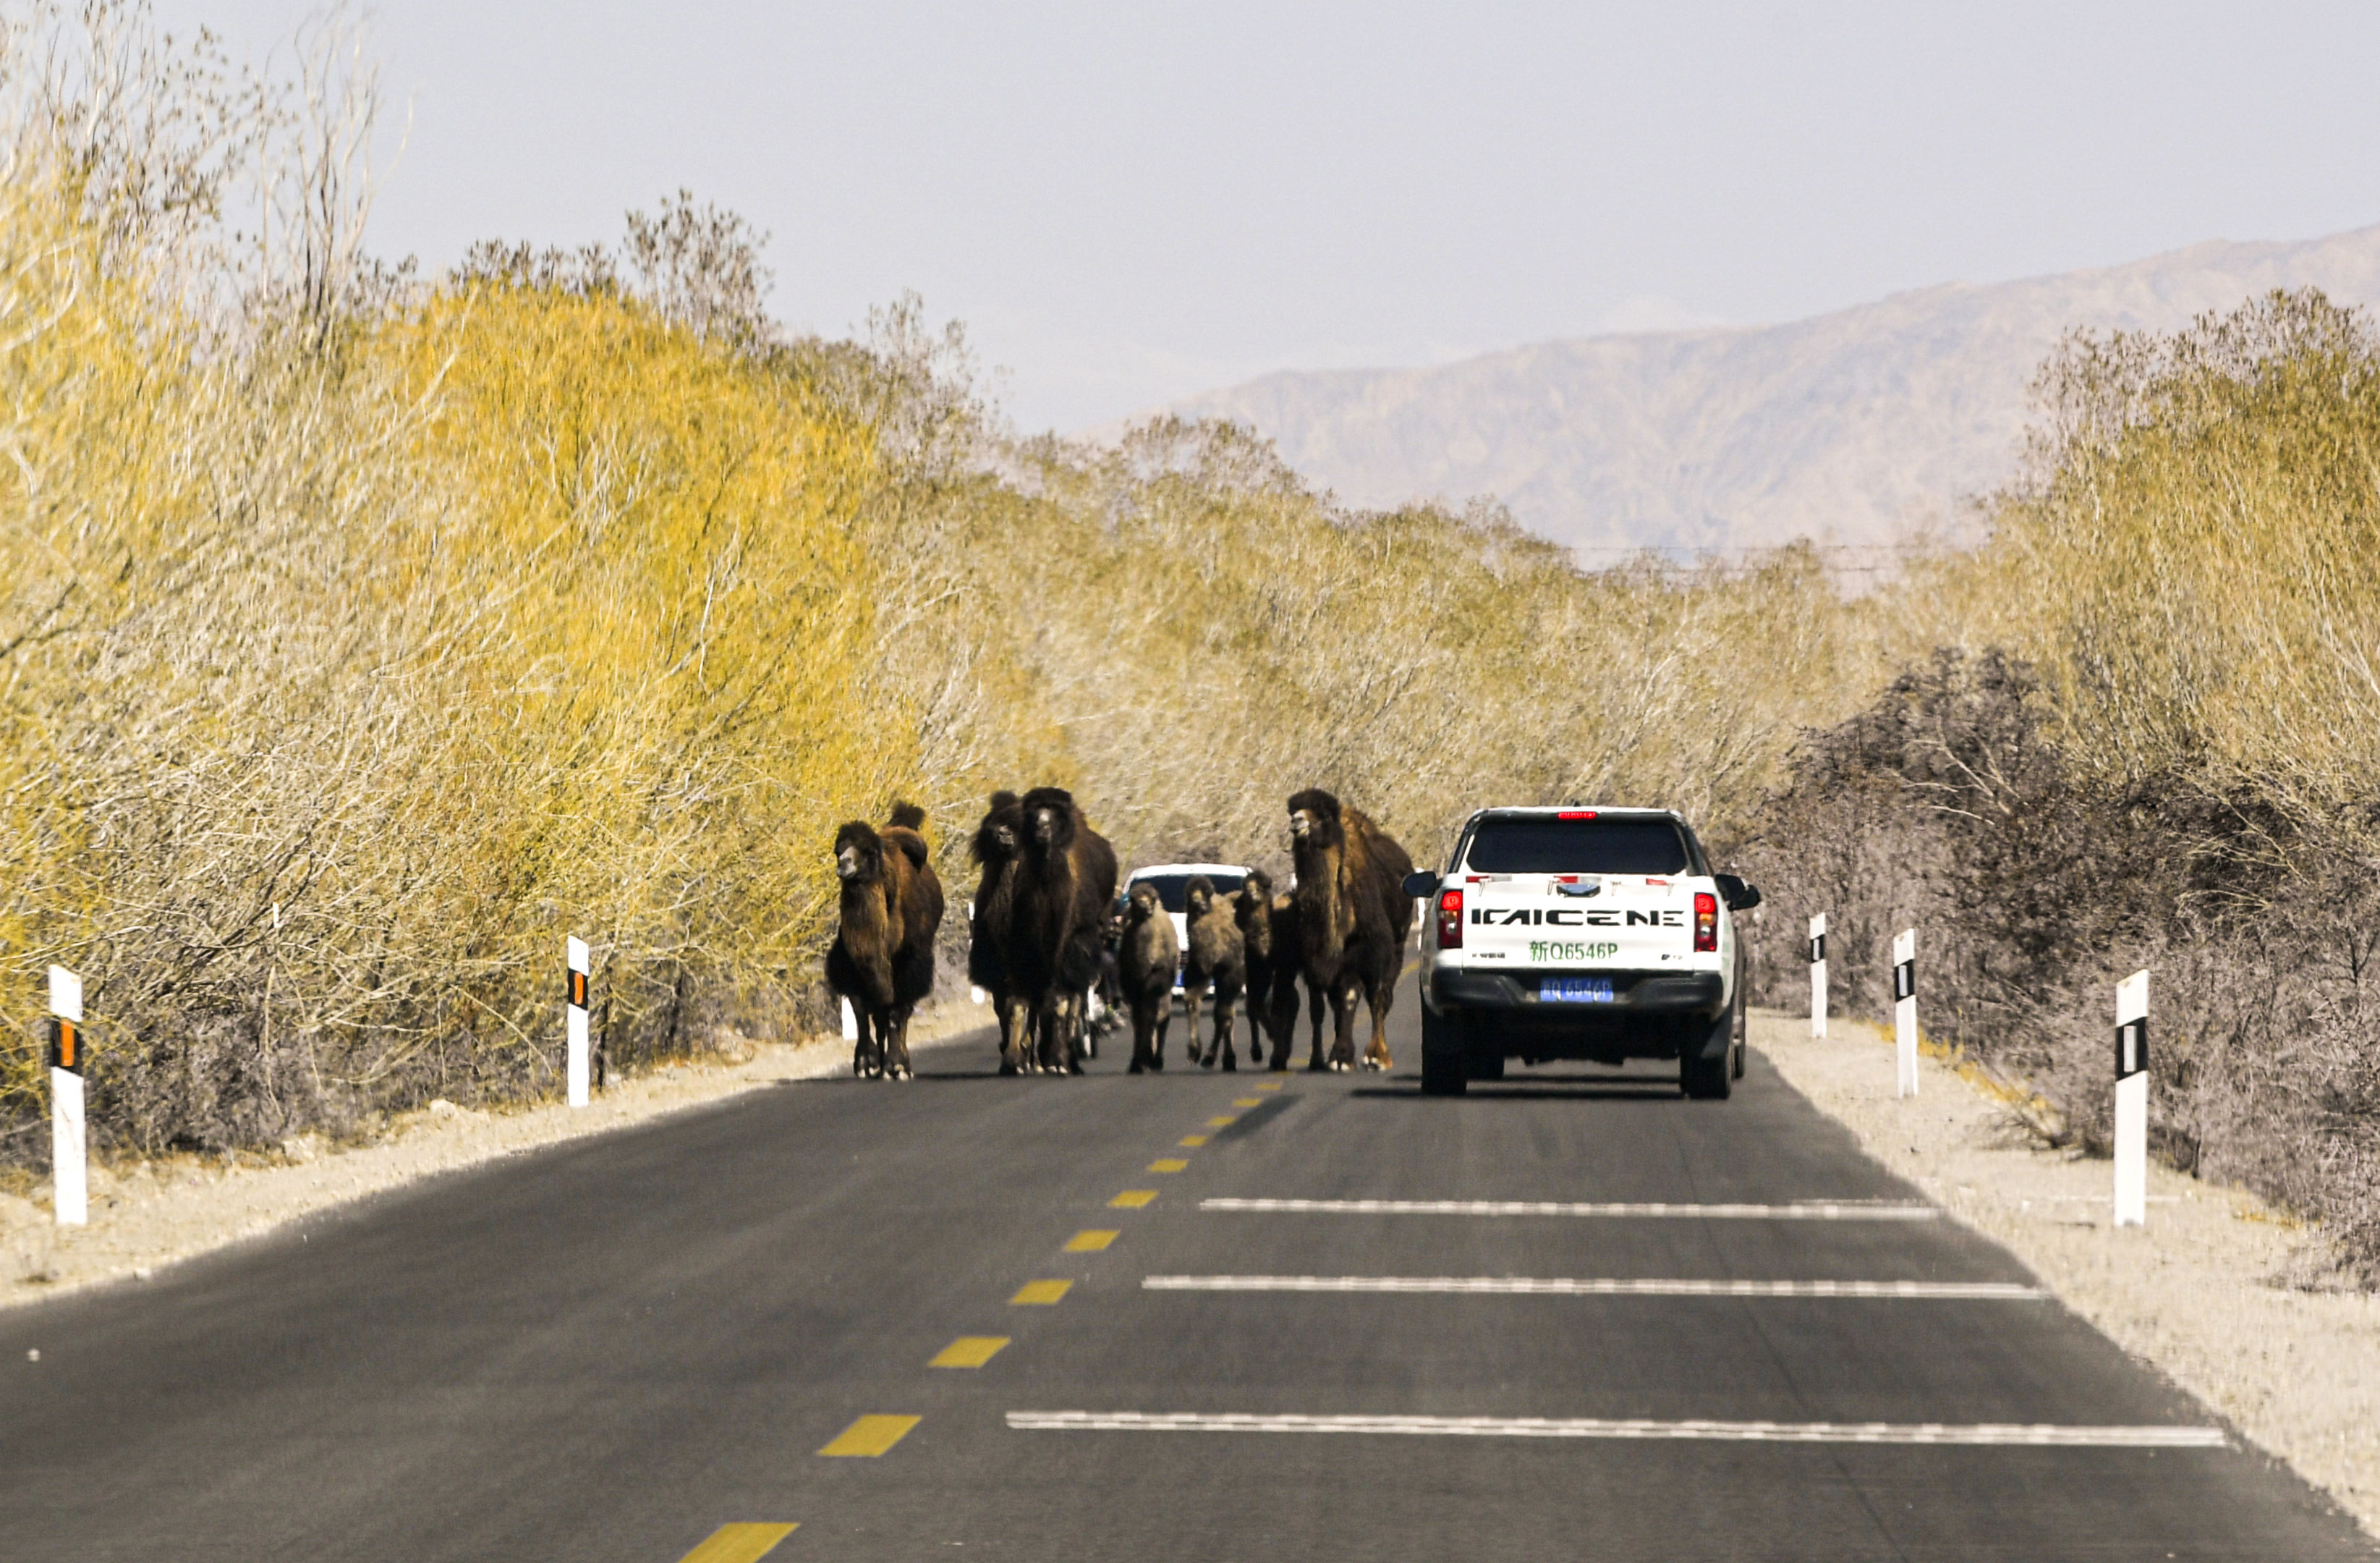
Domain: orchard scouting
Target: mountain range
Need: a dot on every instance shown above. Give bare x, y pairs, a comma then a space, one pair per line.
1861, 429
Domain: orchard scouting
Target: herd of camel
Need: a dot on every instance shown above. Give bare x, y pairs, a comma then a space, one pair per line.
1046, 931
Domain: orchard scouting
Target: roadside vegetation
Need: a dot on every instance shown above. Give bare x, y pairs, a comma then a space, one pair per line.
364, 633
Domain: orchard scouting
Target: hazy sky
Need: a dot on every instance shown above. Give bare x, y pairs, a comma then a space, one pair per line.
1127, 203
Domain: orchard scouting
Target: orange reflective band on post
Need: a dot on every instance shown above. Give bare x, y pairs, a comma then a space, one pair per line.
65, 1053
578, 989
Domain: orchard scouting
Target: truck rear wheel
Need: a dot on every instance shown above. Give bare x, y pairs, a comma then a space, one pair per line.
1707, 1080
1705, 1076
1442, 1072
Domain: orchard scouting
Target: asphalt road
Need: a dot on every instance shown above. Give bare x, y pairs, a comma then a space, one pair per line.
612, 1349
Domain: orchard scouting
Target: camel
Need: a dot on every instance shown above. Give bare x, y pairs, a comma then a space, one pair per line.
1353, 917
1147, 963
1216, 964
1065, 874
1268, 936
882, 958
999, 840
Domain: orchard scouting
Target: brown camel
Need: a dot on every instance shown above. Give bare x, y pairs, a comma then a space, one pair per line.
999, 840
1216, 965
1352, 917
882, 959
1066, 880
1147, 963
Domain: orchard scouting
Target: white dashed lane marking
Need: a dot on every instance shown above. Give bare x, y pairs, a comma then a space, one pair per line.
2034, 1433
1808, 1211
1564, 1286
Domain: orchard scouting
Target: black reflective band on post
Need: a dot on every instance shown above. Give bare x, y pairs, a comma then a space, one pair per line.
66, 1045
1904, 980
2131, 1048
1817, 949
578, 989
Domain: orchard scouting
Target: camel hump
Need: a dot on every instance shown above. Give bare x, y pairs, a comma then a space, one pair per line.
912, 845
907, 816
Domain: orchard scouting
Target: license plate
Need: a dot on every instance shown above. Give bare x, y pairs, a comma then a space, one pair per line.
1575, 990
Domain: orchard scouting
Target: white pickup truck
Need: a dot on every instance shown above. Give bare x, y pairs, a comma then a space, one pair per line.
1597, 933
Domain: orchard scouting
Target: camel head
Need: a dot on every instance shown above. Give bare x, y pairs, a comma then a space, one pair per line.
1144, 904
1313, 819
1050, 820
858, 853
1002, 830
1199, 897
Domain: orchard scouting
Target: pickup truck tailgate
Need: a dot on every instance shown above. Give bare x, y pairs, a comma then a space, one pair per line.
1583, 922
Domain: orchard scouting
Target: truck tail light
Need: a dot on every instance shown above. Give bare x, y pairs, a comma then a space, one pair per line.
1706, 922
1449, 920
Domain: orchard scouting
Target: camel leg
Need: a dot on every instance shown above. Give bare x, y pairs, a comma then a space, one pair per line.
1163, 1007
1376, 1057
1015, 1034
897, 1062
1191, 994
859, 1043
1344, 995
1051, 1019
1065, 1034
1316, 1059
1280, 1019
1224, 1021
871, 1038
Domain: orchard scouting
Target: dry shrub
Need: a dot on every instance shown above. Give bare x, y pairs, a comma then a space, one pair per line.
1182, 632
2035, 885
360, 644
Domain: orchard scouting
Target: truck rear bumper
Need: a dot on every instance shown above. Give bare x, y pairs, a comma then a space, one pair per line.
1495, 1015
1635, 993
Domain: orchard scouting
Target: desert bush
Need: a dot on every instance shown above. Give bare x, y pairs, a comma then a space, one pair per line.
1179, 628
360, 642
2169, 767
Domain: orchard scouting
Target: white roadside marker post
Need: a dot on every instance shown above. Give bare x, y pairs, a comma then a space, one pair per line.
1904, 1011
1819, 975
2133, 1101
69, 1168
575, 1069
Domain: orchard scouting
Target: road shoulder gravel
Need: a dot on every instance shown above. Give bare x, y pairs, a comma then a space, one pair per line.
2200, 1293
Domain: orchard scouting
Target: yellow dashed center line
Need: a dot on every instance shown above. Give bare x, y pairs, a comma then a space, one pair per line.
1167, 1163
870, 1437
968, 1352
1040, 1291
739, 1544
1192, 1141
1091, 1241
1249, 1102
1269, 1085
1132, 1199
1224, 1121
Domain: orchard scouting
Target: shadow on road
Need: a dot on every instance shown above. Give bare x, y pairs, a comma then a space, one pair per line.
1564, 1090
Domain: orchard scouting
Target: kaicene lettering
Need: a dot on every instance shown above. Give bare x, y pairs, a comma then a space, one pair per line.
1565, 917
